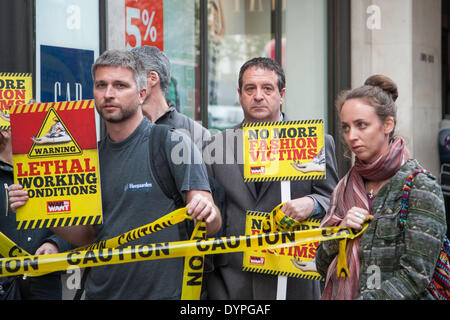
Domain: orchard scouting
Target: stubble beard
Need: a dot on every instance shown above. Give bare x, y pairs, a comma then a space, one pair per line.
123, 115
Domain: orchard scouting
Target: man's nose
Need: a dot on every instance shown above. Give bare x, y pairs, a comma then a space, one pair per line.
109, 92
258, 94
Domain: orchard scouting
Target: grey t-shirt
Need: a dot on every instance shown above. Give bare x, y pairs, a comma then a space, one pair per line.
131, 198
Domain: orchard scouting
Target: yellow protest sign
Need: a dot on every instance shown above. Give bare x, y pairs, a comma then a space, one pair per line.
15, 89
56, 160
294, 261
281, 151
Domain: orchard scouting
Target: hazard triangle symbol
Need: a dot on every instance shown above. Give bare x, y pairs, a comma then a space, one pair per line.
53, 139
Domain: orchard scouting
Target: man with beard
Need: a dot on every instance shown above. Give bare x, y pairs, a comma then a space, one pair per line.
130, 195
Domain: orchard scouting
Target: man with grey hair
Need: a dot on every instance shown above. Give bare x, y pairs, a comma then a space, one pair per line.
155, 106
130, 195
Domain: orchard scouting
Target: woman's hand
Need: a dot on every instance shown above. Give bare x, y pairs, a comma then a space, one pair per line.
355, 218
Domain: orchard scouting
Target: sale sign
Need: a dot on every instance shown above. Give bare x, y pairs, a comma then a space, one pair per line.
281, 151
144, 23
56, 160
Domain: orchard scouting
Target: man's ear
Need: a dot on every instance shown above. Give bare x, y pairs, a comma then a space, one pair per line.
153, 78
142, 95
282, 93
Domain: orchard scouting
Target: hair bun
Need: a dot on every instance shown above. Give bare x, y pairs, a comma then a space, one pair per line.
385, 83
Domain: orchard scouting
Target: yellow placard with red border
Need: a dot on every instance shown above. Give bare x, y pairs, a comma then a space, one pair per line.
295, 261
281, 151
56, 160
15, 89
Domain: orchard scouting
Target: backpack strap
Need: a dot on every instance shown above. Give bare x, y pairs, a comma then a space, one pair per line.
160, 168
159, 163
405, 196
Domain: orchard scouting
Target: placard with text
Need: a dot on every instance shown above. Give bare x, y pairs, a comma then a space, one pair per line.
56, 160
15, 88
281, 151
296, 261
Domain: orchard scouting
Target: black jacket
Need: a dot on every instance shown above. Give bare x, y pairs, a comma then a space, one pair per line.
29, 240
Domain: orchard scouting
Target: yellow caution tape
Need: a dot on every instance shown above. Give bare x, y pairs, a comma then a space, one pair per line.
342, 268
281, 222
9, 249
193, 268
168, 220
106, 256
111, 251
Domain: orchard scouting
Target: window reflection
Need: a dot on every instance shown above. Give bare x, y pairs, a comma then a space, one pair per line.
238, 30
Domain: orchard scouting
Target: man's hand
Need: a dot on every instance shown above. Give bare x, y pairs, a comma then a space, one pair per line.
201, 206
299, 209
47, 248
17, 196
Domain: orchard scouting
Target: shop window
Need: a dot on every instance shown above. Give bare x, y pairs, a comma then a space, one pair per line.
237, 31
181, 44
171, 26
67, 44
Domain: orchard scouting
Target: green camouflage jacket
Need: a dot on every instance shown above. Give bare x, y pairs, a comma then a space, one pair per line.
395, 264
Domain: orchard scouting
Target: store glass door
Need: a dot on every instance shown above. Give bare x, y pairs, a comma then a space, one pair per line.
238, 30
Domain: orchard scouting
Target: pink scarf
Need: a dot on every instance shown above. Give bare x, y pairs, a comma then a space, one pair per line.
350, 192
